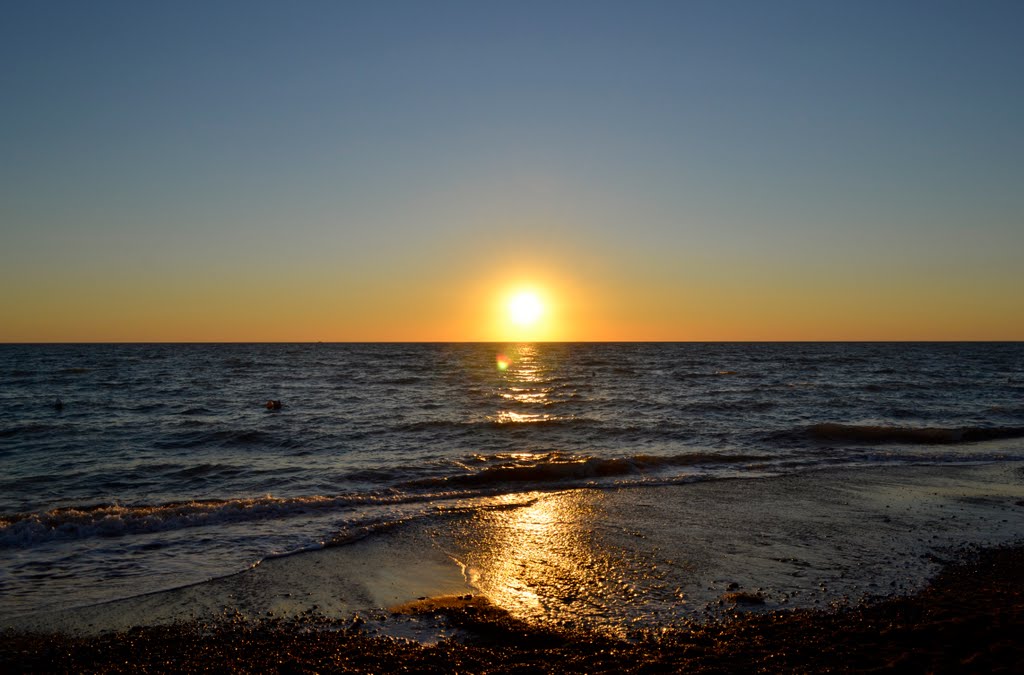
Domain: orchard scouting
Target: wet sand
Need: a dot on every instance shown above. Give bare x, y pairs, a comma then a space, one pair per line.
816, 571
969, 619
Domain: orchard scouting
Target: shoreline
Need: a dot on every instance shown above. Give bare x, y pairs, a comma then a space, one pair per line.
918, 568
620, 562
967, 619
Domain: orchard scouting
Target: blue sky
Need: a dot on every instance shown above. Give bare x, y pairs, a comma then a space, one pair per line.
719, 152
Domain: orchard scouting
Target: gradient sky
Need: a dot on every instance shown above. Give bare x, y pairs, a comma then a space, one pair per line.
264, 171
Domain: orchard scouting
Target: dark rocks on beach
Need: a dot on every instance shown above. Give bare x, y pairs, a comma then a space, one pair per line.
744, 598
969, 619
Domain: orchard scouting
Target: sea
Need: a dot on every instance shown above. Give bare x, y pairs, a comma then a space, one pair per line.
132, 468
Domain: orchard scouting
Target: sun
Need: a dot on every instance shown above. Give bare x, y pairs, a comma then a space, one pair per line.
525, 311
525, 308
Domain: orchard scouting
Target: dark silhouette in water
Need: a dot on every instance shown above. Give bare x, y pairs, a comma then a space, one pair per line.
273, 405
58, 404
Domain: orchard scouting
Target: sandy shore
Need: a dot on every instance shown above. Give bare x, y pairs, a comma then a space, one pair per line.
827, 570
969, 619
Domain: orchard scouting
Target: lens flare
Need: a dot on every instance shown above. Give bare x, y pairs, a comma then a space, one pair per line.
503, 362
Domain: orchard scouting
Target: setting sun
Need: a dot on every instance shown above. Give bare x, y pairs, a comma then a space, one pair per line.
525, 308
527, 311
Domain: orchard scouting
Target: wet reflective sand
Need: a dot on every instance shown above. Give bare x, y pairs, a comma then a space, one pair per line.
629, 561
637, 559
552, 561
969, 619
544, 582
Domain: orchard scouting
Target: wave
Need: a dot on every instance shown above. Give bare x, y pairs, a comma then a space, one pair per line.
701, 374
88, 521
218, 438
203, 470
898, 386
410, 379
195, 410
476, 476
865, 433
112, 520
506, 420
556, 467
27, 429
712, 406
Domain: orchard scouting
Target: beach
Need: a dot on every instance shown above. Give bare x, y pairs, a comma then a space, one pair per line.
842, 570
968, 619
479, 507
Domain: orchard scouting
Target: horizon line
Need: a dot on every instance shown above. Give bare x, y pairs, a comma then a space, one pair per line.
494, 342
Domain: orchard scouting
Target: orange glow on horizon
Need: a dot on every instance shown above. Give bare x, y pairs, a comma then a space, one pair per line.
468, 301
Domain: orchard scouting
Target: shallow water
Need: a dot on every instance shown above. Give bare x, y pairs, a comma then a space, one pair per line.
629, 562
164, 467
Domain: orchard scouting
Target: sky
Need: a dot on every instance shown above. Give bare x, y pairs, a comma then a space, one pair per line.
393, 171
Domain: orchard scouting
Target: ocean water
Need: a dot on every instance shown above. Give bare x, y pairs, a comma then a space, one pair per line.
163, 466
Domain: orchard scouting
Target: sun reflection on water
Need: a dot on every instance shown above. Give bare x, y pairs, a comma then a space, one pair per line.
541, 563
524, 382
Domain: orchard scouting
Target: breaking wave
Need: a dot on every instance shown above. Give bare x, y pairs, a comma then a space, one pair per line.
112, 520
477, 476
556, 467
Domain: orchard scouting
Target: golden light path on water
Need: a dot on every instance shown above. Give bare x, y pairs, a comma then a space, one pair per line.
523, 382
544, 556
549, 562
